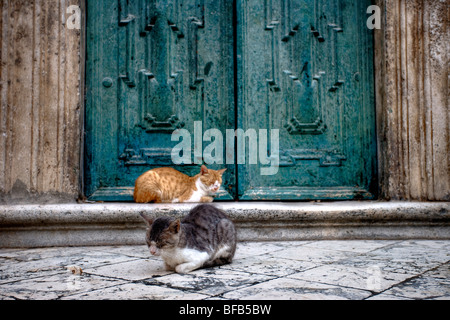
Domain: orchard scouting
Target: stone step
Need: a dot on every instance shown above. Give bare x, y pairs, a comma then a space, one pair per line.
121, 224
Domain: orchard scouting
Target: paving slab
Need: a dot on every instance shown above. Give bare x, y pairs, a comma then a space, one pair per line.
214, 281
434, 284
371, 278
55, 286
354, 246
137, 291
314, 255
292, 270
140, 269
293, 289
405, 257
270, 265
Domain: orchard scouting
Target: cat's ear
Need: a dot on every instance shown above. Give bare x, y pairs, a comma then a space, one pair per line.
221, 172
175, 226
148, 221
204, 170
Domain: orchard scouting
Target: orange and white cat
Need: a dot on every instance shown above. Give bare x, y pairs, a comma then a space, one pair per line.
171, 186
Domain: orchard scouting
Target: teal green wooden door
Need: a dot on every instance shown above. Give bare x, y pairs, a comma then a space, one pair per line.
153, 67
300, 69
305, 68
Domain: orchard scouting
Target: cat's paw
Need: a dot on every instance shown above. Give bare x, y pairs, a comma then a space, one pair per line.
206, 199
182, 269
185, 268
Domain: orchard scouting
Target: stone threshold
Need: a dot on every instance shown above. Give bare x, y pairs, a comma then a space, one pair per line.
121, 224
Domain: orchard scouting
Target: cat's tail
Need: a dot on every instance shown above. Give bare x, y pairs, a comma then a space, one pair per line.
147, 188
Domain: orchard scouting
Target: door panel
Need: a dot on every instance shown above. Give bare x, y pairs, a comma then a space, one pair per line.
305, 68
154, 67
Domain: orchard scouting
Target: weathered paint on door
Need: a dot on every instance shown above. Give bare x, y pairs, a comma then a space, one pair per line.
303, 67
154, 67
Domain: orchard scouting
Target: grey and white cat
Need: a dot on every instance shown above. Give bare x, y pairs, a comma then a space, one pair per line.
204, 238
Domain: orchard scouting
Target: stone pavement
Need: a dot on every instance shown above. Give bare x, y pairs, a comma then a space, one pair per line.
355, 270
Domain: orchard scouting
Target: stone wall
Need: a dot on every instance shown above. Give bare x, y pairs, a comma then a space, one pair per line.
40, 93
41, 85
412, 100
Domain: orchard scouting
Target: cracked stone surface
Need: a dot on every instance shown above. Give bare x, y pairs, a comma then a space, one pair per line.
300, 270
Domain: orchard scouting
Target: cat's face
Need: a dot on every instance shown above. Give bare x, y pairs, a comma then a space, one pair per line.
211, 179
162, 234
